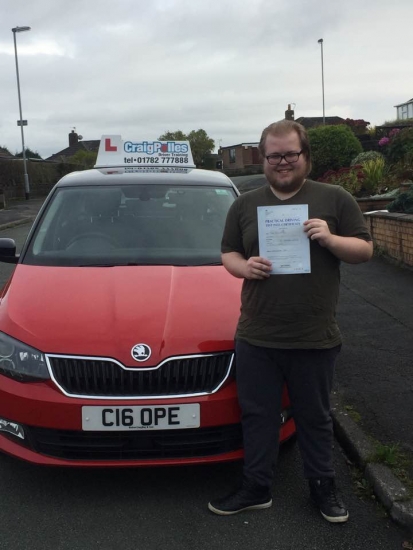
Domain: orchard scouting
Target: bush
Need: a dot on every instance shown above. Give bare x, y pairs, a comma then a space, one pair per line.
403, 203
402, 171
350, 178
332, 147
358, 127
400, 145
367, 155
398, 122
375, 172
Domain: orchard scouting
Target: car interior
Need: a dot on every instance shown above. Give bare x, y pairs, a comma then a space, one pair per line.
131, 222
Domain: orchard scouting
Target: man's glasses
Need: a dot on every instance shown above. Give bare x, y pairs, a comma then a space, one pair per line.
288, 157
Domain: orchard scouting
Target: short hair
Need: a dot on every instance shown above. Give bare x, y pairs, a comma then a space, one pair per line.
282, 128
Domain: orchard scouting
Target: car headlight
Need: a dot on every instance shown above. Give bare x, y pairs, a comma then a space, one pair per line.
21, 362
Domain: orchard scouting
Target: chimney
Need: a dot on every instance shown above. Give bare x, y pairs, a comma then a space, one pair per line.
289, 113
73, 138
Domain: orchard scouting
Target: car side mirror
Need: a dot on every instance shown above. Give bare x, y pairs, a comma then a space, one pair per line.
8, 251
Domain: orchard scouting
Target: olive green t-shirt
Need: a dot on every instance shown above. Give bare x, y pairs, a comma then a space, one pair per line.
293, 311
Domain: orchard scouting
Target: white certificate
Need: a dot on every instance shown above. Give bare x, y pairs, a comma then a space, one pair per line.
282, 238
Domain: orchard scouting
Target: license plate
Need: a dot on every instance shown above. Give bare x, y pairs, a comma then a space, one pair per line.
166, 417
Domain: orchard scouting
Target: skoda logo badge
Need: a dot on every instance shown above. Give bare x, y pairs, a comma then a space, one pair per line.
141, 352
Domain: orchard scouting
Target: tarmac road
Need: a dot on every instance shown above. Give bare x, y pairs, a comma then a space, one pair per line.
166, 508
374, 371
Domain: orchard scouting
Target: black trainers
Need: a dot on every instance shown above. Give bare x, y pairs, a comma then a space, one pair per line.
249, 496
324, 494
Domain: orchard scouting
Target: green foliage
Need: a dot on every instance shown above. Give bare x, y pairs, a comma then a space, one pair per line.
350, 178
29, 154
42, 177
366, 155
400, 145
375, 172
402, 170
368, 178
399, 122
84, 159
173, 136
387, 454
402, 203
332, 147
363, 488
201, 143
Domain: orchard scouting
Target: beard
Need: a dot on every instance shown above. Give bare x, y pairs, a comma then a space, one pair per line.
289, 182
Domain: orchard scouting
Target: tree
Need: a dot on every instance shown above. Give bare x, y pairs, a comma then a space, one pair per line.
86, 159
201, 143
173, 136
358, 126
29, 154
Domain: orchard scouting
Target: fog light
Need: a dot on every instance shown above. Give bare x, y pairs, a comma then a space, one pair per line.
11, 428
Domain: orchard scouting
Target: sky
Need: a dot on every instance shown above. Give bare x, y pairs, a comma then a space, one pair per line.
139, 68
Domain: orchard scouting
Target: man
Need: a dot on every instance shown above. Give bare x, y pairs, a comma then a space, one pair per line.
287, 332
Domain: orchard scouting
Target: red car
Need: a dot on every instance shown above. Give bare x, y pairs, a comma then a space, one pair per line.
117, 325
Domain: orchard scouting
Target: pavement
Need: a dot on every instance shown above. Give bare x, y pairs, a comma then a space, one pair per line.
19, 212
372, 402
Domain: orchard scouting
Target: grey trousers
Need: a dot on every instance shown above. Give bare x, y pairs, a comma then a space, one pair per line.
260, 374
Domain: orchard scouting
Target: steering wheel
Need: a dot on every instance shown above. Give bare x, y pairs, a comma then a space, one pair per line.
95, 239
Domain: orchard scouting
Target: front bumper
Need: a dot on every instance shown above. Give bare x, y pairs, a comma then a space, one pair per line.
52, 427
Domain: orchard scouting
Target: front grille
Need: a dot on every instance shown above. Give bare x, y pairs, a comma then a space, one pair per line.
142, 445
176, 376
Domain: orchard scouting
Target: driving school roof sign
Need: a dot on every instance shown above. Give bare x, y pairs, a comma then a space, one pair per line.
147, 156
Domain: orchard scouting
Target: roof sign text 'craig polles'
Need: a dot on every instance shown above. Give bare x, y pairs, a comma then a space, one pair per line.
144, 155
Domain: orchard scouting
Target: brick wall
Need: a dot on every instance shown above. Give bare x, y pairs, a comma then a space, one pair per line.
393, 233
368, 204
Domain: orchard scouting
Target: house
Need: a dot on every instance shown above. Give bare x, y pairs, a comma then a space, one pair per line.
75, 144
314, 121
245, 158
405, 110
5, 154
241, 159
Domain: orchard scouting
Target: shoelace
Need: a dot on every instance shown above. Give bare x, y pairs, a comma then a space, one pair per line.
330, 492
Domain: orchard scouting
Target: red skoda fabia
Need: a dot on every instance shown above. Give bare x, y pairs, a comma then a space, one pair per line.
117, 325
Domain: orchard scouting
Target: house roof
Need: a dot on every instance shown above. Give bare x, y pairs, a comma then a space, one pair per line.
255, 144
91, 145
311, 121
5, 154
405, 103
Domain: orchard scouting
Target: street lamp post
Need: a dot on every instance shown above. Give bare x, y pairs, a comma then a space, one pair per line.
322, 77
20, 122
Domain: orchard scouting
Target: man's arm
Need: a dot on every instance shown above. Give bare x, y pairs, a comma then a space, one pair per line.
348, 249
253, 268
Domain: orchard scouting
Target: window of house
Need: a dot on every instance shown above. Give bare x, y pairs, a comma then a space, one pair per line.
232, 155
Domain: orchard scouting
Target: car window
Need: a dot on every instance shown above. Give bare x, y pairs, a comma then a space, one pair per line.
133, 224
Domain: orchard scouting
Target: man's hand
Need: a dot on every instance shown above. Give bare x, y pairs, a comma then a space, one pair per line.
257, 268
318, 230
348, 249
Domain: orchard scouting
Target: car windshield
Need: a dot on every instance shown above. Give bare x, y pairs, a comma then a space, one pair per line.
131, 225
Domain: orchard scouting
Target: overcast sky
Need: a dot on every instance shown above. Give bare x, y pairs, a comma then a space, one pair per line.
139, 68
